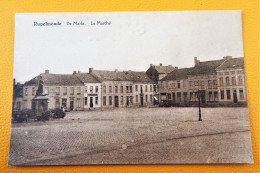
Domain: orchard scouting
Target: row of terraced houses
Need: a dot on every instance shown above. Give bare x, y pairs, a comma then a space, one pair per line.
220, 82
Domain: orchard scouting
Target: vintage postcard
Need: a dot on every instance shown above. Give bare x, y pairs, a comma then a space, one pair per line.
129, 88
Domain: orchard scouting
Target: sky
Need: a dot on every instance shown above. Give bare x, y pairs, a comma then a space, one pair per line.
132, 41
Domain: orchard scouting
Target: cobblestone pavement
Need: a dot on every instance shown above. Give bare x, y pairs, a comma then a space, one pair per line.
135, 135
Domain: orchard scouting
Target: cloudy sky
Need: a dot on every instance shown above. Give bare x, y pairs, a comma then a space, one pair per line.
133, 41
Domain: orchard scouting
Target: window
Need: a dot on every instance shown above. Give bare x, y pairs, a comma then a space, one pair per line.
33, 91
57, 103
169, 96
155, 88
127, 89
240, 81
131, 88
191, 96
57, 90
210, 96
215, 96
146, 98
227, 81
116, 89
221, 83
222, 94
110, 100
226, 73
131, 99
220, 73
110, 89
71, 90
202, 85
146, 88
239, 72
136, 87
173, 97
141, 88
86, 89
241, 94
215, 84
64, 90
121, 88
96, 89
151, 98
178, 84
86, 101
136, 98
96, 100
64, 103
78, 91
104, 100
191, 84
228, 95
233, 80
151, 88
26, 91
91, 89
122, 100
210, 84
232, 72
104, 89
185, 96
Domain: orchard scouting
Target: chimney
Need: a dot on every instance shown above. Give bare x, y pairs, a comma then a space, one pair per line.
151, 65
196, 61
14, 81
160, 64
116, 70
46, 71
74, 72
227, 57
90, 70
176, 68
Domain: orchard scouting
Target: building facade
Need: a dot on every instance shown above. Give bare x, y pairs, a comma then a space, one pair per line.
218, 82
59, 91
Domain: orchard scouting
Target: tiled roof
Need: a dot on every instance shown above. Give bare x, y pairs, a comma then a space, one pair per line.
104, 75
164, 69
121, 76
140, 77
178, 74
206, 67
87, 78
232, 64
56, 79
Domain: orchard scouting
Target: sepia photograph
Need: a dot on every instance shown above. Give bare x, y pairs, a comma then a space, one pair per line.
155, 87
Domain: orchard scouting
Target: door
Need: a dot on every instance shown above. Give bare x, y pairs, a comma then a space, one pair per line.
127, 100
116, 101
71, 105
91, 102
203, 97
235, 96
142, 99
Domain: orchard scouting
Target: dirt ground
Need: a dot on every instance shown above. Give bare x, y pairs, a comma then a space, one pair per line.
135, 136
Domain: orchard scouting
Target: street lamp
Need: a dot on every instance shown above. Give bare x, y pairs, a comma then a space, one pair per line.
199, 96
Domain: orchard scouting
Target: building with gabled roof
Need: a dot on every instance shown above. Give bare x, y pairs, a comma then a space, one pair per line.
92, 90
53, 91
157, 72
231, 81
124, 88
180, 87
